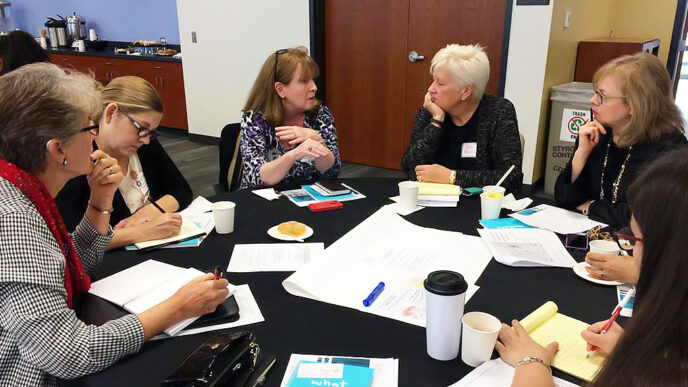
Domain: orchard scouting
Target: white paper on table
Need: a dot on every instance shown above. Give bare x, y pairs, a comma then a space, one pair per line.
556, 219
197, 207
385, 371
497, 373
267, 193
249, 313
397, 208
248, 258
526, 247
510, 203
387, 248
444, 201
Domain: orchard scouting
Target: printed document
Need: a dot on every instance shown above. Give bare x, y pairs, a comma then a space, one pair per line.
273, 256
385, 371
497, 373
526, 247
556, 219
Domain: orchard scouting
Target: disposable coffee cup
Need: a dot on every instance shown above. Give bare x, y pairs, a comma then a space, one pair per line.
604, 247
43, 42
491, 202
223, 213
81, 45
480, 332
445, 292
408, 195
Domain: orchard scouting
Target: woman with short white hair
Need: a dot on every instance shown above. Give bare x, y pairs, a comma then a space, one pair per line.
461, 135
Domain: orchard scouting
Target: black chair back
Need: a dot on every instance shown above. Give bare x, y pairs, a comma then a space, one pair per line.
230, 158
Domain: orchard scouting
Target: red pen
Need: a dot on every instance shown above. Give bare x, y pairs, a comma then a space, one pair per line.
218, 272
615, 314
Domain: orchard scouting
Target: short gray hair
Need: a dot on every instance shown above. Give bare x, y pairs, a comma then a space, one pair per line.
467, 64
38, 102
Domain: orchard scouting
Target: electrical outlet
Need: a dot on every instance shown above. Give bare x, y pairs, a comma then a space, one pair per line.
193, 37
567, 19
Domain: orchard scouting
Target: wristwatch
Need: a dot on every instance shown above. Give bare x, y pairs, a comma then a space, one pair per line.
452, 177
586, 210
533, 359
102, 211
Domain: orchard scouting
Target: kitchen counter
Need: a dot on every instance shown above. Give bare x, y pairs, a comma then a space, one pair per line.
109, 52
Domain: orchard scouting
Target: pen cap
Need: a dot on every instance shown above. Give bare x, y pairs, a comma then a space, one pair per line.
445, 283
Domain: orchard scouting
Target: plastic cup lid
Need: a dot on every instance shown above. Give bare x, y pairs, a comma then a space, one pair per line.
445, 283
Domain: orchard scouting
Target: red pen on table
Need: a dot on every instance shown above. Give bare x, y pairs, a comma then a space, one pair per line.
615, 314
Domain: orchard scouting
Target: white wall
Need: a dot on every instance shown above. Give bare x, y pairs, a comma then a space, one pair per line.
234, 37
525, 73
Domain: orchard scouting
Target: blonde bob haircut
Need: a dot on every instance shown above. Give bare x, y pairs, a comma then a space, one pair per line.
467, 64
263, 96
133, 94
648, 91
39, 102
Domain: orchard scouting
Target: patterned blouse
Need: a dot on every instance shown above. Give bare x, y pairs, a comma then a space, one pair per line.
41, 339
259, 144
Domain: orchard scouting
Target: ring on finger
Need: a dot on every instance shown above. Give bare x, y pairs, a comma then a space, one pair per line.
310, 148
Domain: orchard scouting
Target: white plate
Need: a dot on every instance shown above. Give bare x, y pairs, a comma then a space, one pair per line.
272, 231
580, 271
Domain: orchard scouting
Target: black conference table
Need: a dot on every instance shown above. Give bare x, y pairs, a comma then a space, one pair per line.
299, 325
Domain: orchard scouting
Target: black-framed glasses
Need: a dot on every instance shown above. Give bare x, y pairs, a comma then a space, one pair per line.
274, 68
601, 97
142, 132
93, 129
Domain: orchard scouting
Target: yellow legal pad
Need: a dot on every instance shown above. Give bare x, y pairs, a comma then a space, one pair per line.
439, 189
545, 325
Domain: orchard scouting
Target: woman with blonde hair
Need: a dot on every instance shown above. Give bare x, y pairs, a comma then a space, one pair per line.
462, 135
153, 188
286, 134
46, 135
635, 120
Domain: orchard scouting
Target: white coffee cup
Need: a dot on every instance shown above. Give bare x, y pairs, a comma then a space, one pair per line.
490, 207
223, 213
604, 247
480, 332
408, 195
81, 45
445, 292
43, 42
92, 35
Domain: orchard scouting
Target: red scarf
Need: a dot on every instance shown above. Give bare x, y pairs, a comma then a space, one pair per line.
76, 280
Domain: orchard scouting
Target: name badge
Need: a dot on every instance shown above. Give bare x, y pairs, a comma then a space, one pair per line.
469, 150
139, 183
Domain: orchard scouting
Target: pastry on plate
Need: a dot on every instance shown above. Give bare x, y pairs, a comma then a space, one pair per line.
292, 229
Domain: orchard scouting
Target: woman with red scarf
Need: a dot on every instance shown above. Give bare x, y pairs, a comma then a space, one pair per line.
45, 140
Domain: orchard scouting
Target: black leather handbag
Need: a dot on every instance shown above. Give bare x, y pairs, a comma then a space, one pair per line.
227, 359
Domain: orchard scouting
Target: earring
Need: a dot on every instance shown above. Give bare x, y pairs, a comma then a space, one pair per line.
64, 162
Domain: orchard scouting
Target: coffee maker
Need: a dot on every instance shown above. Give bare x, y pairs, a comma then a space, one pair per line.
76, 28
57, 32
6, 24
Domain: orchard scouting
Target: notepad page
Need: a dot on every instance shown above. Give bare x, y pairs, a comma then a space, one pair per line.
188, 230
545, 326
439, 189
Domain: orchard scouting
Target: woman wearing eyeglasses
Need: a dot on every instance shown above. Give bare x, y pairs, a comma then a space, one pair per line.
635, 120
286, 134
652, 348
132, 111
46, 139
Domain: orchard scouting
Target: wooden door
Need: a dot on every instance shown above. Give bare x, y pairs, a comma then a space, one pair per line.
373, 90
170, 85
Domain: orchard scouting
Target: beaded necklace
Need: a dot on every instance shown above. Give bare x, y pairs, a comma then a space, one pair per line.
615, 184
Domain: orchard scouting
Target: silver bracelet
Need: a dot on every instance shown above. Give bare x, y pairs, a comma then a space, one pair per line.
100, 210
533, 359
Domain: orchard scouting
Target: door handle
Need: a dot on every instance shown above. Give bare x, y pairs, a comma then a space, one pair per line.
414, 57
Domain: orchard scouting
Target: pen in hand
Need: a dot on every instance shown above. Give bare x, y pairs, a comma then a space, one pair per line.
592, 348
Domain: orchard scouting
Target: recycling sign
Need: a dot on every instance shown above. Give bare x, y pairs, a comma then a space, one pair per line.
571, 122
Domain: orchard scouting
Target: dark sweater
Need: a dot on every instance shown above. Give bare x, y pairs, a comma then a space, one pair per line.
162, 175
499, 145
587, 185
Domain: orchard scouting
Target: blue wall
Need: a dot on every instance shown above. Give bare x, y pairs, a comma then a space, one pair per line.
121, 20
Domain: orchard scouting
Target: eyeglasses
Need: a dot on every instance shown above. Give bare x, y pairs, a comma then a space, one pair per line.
142, 132
274, 69
628, 237
601, 97
93, 129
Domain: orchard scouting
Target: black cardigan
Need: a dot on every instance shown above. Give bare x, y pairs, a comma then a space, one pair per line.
499, 146
587, 185
162, 175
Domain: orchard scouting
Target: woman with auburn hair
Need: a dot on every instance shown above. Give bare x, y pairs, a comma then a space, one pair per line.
635, 120
46, 139
153, 188
286, 134
653, 348
462, 135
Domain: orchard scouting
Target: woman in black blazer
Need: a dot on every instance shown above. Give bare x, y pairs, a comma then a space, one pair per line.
153, 188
